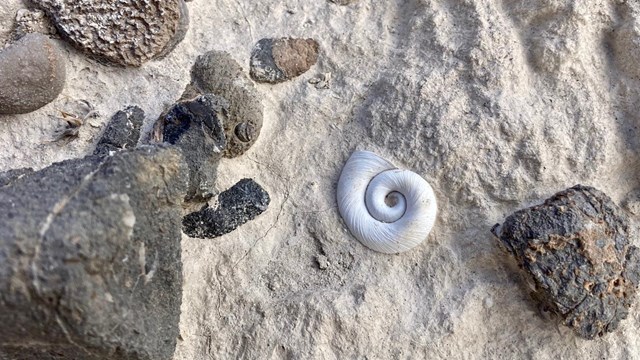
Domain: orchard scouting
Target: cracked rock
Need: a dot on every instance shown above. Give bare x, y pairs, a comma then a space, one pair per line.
90, 257
278, 60
576, 250
238, 205
125, 32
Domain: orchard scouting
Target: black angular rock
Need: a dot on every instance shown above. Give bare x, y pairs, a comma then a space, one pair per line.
90, 258
236, 206
195, 126
576, 249
122, 132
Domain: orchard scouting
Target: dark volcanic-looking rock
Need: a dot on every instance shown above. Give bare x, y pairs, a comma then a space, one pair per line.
195, 126
32, 74
278, 60
122, 132
90, 258
236, 206
124, 32
343, 2
218, 73
576, 249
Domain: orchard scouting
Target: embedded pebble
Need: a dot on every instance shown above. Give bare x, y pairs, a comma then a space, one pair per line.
126, 32
195, 126
32, 74
218, 73
278, 60
241, 203
626, 49
577, 250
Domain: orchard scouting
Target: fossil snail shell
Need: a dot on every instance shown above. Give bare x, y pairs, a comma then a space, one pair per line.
387, 209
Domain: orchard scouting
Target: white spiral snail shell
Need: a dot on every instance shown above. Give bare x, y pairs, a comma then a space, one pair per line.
387, 209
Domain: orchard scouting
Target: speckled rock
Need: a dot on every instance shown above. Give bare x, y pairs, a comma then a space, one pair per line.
278, 60
90, 258
122, 132
218, 73
236, 206
195, 126
32, 74
626, 48
126, 32
576, 249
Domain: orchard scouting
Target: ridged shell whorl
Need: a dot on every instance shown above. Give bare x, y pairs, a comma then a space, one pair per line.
387, 209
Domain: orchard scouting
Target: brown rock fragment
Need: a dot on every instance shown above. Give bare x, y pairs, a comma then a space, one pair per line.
279, 60
576, 250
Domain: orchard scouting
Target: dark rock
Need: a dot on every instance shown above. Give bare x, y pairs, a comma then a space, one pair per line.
90, 258
125, 32
576, 250
343, 2
195, 126
32, 74
236, 206
278, 60
122, 132
218, 73
8, 177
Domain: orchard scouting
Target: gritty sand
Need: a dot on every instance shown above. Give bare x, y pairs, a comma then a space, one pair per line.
498, 104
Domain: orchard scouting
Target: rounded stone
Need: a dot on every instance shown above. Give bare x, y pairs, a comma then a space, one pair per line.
125, 32
218, 73
32, 74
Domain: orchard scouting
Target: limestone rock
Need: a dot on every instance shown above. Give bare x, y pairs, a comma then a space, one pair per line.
32, 74
90, 262
218, 73
126, 33
278, 60
577, 250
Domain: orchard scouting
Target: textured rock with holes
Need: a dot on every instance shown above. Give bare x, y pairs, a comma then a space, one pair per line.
126, 32
576, 250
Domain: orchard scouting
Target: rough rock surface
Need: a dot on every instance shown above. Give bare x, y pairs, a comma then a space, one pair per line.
575, 249
457, 95
278, 60
235, 207
89, 263
126, 32
218, 73
32, 74
122, 132
195, 126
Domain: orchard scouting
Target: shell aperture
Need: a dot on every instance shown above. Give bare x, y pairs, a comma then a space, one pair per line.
387, 209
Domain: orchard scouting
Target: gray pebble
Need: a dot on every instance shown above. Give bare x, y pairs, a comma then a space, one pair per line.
278, 60
218, 73
576, 249
32, 74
